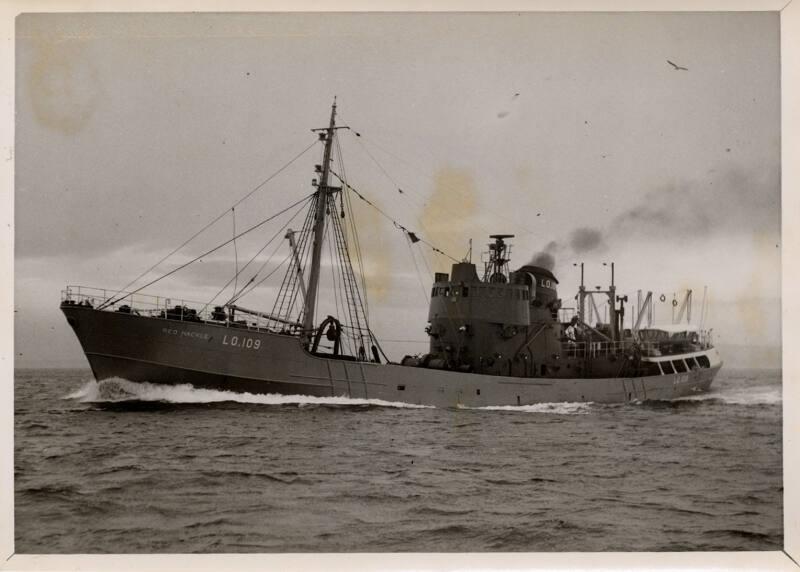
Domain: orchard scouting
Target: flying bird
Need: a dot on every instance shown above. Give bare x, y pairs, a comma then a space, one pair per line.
676, 66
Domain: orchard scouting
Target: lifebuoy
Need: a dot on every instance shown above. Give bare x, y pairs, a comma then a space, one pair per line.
663, 298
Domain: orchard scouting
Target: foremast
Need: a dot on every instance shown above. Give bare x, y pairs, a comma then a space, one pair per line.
321, 203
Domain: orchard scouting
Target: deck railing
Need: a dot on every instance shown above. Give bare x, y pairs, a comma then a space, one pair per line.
602, 348
166, 308
647, 349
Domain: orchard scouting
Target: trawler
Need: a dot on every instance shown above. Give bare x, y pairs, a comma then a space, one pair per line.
498, 338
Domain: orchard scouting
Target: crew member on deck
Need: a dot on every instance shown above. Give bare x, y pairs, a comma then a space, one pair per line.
572, 335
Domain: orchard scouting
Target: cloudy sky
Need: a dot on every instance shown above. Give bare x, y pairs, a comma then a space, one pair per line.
571, 131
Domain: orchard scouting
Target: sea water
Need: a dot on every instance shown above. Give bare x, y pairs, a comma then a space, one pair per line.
118, 466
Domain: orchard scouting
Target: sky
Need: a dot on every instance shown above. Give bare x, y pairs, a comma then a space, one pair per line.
570, 131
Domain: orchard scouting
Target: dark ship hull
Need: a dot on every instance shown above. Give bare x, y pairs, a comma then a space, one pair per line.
240, 359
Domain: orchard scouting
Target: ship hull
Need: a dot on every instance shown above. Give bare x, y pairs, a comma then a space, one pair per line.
213, 356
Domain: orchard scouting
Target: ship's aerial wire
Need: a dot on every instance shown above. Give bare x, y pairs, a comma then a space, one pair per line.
227, 242
411, 234
112, 299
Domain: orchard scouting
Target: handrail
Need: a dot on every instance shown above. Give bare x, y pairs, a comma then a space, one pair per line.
162, 307
602, 348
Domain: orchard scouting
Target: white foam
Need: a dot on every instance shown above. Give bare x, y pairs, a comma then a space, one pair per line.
88, 390
563, 408
119, 390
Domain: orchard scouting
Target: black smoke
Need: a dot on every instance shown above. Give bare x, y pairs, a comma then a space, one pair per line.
733, 202
546, 258
586, 240
543, 260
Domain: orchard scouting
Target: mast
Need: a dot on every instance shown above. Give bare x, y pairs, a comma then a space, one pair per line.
582, 299
321, 201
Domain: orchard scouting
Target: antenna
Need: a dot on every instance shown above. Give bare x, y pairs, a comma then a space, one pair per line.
496, 268
468, 257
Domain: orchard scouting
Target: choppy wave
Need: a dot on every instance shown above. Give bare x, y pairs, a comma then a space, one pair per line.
701, 474
117, 390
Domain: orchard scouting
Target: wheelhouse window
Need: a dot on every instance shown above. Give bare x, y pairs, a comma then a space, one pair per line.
680, 367
703, 361
691, 363
666, 367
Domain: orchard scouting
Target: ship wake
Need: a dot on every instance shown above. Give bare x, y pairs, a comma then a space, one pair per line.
563, 408
119, 391
765, 395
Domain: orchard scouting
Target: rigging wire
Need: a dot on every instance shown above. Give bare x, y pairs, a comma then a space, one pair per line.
234, 279
112, 299
446, 306
352, 293
284, 301
249, 287
411, 235
227, 242
235, 253
239, 294
401, 191
303, 259
372, 141
416, 269
345, 200
334, 280
257, 284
